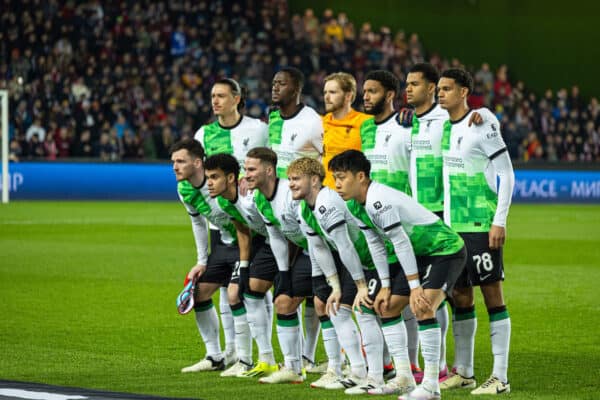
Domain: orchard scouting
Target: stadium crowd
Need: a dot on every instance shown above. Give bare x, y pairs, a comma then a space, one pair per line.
124, 80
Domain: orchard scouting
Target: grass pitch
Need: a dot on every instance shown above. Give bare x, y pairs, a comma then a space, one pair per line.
87, 298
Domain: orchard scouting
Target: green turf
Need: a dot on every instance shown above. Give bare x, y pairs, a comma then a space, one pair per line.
87, 298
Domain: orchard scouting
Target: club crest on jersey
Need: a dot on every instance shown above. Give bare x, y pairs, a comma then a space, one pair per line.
377, 205
322, 209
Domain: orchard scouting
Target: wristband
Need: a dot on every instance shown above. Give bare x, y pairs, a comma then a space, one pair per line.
414, 283
385, 283
243, 263
334, 282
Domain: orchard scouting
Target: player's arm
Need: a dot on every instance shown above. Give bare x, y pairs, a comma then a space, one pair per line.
504, 169
200, 231
317, 137
279, 247
379, 254
244, 237
492, 144
322, 263
340, 236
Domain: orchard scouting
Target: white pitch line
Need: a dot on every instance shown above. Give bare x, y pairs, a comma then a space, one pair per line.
28, 394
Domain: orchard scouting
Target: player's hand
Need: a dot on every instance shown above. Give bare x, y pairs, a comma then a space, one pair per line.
196, 272
405, 117
497, 236
382, 301
476, 118
419, 304
243, 186
333, 303
362, 299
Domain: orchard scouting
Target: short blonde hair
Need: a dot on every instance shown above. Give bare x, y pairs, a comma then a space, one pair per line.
307, 166
345, 80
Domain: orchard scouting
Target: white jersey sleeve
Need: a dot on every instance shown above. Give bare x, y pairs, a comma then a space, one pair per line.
387, 218
329, 212
200, 231
490, 137
504, 169
199, 136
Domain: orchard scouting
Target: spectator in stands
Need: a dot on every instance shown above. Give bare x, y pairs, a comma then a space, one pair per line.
88, 65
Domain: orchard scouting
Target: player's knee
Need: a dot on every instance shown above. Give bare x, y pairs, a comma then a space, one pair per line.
284, 304
319, 306
396, 305
462, 297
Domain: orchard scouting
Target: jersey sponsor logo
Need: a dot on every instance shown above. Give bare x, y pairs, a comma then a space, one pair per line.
455, 162
377, 205
424, 144
322, 209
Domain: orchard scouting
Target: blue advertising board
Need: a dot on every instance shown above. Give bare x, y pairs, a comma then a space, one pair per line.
91, 181
108, 181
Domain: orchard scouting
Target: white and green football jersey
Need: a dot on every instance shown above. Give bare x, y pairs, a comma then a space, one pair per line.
236, 140
244, 211
386, 208
387, 146
280, 211
201, 206
329, 213
300, 135
470, 187
426, 177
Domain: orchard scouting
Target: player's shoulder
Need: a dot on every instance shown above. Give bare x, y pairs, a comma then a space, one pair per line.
251, 121
328, 196
490, 123
438, 113
380, 194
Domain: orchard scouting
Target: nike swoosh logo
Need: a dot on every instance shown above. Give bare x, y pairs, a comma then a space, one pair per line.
463, 384
483, 278
498, 391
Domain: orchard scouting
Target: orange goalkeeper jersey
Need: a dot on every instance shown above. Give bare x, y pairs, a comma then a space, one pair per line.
340, 135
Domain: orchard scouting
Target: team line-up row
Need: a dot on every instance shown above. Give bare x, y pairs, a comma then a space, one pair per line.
383, 215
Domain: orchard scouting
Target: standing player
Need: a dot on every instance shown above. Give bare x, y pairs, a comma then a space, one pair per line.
275, 206
295, 130
232, 133
342, 125
475, 157
222, 172
426, 179
431, 254
388, 146
326, 221
235, 134
214, 267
